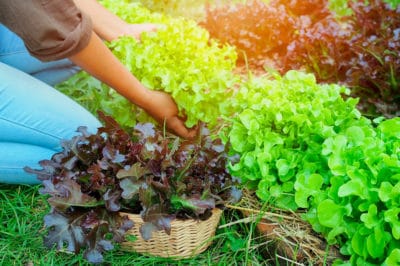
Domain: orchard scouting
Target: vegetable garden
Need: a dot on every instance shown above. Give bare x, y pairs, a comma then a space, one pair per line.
305, 97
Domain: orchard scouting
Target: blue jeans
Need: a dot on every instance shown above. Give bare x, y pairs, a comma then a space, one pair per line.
34, 117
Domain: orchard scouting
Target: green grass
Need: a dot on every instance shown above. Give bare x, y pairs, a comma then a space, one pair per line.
22, 209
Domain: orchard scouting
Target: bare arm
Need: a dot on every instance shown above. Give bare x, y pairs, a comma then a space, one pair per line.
100, 62
109, 26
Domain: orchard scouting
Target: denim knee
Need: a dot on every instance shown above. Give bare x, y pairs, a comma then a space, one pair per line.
36, 116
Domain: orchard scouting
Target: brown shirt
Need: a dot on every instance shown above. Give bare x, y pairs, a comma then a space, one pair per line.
51, 29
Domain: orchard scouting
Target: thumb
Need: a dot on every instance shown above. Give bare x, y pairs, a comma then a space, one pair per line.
178, 127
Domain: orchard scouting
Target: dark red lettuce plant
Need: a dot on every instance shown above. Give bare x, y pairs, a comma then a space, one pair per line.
373, 72
145, 170
260, 32
360, 51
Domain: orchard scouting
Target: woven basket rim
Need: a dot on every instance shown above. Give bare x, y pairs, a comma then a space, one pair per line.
187, 238
174, 221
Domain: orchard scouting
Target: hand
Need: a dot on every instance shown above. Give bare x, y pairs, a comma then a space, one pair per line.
164, 109
135, 30
108, 25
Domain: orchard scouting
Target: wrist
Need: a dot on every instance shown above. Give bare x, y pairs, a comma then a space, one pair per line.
120, 31
143, 97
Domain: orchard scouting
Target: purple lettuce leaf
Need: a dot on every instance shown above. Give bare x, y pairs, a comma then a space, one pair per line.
156, 218
67, 193
80, 228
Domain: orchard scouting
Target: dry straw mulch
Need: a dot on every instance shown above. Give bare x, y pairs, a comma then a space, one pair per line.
294, 240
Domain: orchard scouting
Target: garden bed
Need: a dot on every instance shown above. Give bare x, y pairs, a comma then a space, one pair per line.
320, 168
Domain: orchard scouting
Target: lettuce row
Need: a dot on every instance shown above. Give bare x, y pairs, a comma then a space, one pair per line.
304, 145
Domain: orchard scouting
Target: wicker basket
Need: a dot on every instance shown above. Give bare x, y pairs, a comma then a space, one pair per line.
187, 239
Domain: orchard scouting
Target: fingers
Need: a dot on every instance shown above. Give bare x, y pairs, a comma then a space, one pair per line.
166, 110
155, 27
145, 27
178, 127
